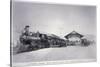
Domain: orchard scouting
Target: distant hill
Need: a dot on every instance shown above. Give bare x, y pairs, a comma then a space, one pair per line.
53, 35
90, 37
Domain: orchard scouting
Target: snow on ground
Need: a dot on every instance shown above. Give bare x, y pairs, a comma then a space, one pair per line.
52, 54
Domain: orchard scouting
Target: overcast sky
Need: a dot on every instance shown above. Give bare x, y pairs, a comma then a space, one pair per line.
54, 19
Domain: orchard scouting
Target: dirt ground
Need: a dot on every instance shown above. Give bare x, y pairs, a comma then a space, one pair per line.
53, 54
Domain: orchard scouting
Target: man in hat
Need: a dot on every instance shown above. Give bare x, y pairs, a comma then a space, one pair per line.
26, 31
25, 36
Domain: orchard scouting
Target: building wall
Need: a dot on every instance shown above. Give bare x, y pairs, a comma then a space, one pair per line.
74, 39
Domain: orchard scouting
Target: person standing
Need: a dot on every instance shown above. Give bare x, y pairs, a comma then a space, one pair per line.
25, 36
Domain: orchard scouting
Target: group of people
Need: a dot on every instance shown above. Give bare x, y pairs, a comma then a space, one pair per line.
56, 42
39, 40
